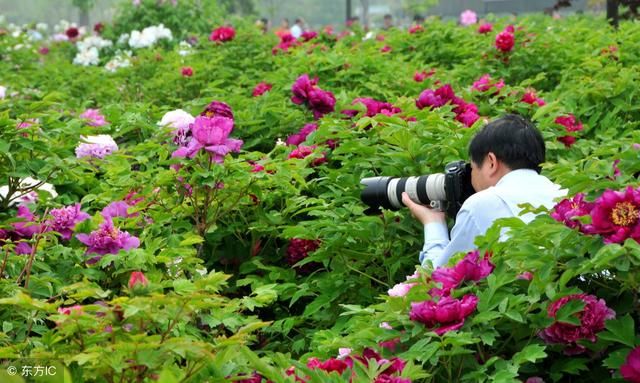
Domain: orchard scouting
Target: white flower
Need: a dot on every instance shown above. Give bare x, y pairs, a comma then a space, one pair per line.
343, 352
184, 48
177, 119
60, 37
96, 146
87, 57
93, 41
3, 92
34, 35
149, 36
42, 27
123, 38
280, 142
121, 60
16, 197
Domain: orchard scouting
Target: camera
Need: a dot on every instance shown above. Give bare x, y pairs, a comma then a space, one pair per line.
441, 191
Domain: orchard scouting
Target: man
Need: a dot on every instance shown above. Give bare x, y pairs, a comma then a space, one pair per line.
297, 28
505, 164
387, 22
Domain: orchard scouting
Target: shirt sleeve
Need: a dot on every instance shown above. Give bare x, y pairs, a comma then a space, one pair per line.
437, 246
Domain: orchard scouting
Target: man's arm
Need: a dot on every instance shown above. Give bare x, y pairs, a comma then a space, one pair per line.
437, 246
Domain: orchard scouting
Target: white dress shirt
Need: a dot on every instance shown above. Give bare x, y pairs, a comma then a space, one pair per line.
296, 31
479, 211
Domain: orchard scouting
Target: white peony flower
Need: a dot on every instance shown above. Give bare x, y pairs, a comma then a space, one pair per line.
149, 36
177, 119
17, 198
87, 57
3, 92
93, 41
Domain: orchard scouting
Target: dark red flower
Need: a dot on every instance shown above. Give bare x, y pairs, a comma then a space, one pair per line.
72, 33
186, 71
298, 250
321, 102
98, 27
329, 365
222, 34
217, 109
592, 320
505, 41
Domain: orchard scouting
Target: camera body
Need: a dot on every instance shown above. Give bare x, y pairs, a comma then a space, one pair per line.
442, 191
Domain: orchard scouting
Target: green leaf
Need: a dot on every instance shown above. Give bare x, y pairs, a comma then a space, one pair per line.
566, 313
620, 330
531, 354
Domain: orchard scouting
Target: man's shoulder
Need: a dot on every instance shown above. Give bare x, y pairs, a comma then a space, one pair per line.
483, 198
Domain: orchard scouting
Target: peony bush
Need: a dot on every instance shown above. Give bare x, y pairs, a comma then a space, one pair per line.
180, 201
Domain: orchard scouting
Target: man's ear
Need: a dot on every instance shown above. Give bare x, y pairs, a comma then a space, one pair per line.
493, 163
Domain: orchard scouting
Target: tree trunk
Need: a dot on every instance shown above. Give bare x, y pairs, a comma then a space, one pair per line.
348, 10
84, 18
365, 14
612, 12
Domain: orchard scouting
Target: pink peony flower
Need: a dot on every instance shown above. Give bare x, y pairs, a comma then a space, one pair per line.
210, 134
468, 17
435, 99
415, 29
261, 89
592, 320
298, 138
186, 71
385, 49
77, 310
93, 117
505, 41
616, 169
485, 28
470, 268
447, 314
568, 209
344, 352
374, 107
301, 88
298, 250
321, 102
400, 289
303, 151
526, 276
138, 278
615, 216
43, 51
98, 146
217, 109
630, 370
286, 41
65, 219
222, 34
108, 239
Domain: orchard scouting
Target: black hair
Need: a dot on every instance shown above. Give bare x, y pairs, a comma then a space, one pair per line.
418, 18
513, 139
388, 16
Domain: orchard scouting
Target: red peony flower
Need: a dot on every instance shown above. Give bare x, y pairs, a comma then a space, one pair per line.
222, 34
187, 71
98, 27
421, 76
302, 152
72, 33
615, 216
308, 35
505, 41
385, 49
329, 365
630, 370
485, 28
568, 209
592, 320
530, 97
484, 84
447, 314
298, 250
416, 28
261, 89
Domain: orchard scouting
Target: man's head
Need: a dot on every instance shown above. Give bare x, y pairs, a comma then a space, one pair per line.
505, 144
388, 20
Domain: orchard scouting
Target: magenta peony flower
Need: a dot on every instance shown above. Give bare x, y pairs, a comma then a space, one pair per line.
470, 268
301, 88
448, 313
186, 71
118, 209
254, 378
108, 239
468, 17
530, 97
505, 41
217, 109
93, 117
616, 169
630, 370
435, 99
484, 84
65, 219
23, 230
569, 122
43, 51
321, 102
286, 41
374, 107
298, 250
331, 364
138, 278
308, 35
298, 138
385, 49
421, 76
210, 134
615, 216
568, 209
592, 320
222, 34
485, 28
261, 89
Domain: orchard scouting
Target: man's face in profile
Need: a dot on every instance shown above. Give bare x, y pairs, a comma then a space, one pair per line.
479, 177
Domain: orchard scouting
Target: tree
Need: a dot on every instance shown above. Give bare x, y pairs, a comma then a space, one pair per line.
84, 6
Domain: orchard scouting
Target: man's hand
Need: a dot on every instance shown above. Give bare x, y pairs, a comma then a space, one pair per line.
422, 213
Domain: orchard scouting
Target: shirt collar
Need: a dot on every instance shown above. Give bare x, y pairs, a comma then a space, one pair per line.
515, 176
